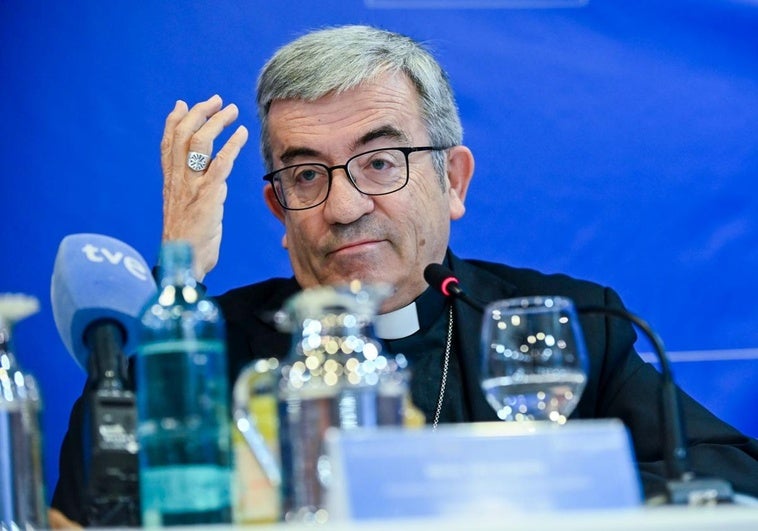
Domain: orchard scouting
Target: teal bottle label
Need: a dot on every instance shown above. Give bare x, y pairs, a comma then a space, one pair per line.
168, 346
174, 492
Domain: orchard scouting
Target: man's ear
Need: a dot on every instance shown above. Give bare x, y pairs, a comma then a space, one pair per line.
276, 209
273, 205
460, 170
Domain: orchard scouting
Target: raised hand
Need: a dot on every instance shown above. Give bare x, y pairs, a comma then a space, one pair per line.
194, 179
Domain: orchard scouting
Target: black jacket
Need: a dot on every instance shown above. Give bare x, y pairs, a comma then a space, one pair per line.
620, 384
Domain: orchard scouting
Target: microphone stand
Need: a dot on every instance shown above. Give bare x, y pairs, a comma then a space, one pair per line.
112, 496
682, 487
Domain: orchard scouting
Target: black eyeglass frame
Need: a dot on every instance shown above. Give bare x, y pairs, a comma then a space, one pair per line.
269, 177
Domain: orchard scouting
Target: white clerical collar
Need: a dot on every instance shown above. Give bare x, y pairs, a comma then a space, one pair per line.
398, 324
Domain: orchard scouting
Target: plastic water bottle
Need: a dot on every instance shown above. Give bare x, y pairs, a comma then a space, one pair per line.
182, 402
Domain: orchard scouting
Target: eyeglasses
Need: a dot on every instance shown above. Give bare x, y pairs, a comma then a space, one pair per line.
376, 172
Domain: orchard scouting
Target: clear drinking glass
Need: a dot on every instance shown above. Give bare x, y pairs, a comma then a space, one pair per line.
534, 365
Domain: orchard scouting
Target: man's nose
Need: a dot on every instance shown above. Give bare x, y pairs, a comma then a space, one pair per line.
345, 203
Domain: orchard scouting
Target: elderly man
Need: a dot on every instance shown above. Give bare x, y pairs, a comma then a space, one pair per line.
363, 147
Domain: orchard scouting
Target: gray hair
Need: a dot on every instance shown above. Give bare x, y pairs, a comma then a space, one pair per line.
335, 60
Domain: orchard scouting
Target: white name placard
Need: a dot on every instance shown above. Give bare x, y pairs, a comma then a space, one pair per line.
480, 469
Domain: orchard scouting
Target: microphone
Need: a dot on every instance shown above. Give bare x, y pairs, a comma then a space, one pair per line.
98, 279
443, 280
98, 289
682, 487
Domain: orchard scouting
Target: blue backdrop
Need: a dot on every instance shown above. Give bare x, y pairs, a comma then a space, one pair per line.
615, 141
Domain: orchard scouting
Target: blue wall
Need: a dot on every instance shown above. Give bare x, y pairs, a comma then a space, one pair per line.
614, 142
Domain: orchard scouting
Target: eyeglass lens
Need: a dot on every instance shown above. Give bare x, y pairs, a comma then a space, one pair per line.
373, 173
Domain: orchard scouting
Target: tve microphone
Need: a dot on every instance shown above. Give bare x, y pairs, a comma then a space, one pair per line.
98, 290
98, 279
443, 280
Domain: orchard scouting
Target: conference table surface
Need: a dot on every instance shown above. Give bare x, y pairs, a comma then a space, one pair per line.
722, 518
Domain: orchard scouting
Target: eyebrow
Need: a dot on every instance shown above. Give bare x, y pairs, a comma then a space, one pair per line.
292, 153
386, 131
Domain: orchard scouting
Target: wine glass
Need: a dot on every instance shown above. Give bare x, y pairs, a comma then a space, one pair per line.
534, 365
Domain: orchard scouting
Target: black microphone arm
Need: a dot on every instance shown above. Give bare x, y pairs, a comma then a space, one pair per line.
682, 487
677, 463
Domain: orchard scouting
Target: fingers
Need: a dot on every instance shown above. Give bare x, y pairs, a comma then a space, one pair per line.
194, 129
172, 120
202, 140
191, 124
222, 163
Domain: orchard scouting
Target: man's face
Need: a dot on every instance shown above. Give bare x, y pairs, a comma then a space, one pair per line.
389, 238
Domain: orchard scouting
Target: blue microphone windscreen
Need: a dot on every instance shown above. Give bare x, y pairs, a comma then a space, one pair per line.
95, 278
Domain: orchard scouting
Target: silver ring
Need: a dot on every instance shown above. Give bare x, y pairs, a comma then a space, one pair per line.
197, 161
